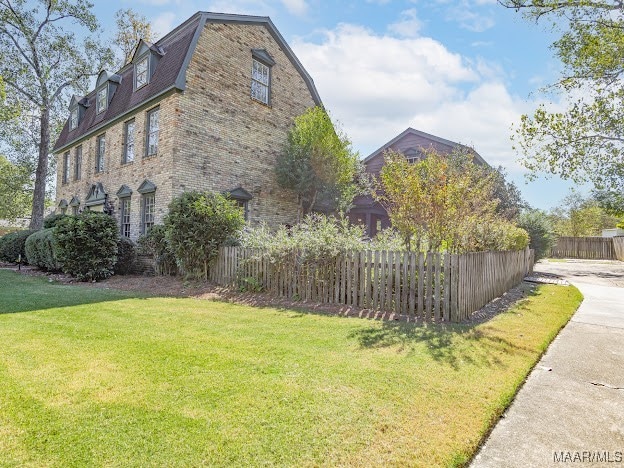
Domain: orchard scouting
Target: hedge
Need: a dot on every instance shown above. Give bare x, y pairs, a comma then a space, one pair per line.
12, 246
41, 250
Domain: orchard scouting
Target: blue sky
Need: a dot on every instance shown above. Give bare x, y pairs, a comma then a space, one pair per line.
463, 70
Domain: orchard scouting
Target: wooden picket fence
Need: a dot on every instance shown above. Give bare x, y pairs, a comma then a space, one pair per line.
419, 286
592, 248
618, 248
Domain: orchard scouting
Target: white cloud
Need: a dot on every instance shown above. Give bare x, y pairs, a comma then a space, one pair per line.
408, 26
163, 23
296, 7
469, 18
378, 85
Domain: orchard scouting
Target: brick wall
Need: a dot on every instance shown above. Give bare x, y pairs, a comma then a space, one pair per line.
213, 136
226, 138
155, 168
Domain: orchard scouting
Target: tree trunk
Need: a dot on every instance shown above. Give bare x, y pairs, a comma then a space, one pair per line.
36, 220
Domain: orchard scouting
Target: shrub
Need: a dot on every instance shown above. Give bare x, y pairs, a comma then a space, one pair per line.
155, 244
41, 250
388, 239
51, 220
540, 229
87, 245
495, 234
317, 240
197, 224
12, 246
126, 256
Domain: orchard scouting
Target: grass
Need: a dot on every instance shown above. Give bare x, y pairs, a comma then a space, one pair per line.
100, 377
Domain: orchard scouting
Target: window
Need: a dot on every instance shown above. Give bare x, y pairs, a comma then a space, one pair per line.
100, 151
260, 76
78, 163
128, 148
141, 73
151, 143
101, 100
413, 155
125, 217
64, 210
66, 167
149, 203
73, 118
75, 210
245, 206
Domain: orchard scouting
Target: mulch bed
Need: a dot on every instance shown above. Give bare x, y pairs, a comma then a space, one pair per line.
174, 286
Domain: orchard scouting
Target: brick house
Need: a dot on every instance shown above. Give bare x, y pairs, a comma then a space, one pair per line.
207, 107
411, 143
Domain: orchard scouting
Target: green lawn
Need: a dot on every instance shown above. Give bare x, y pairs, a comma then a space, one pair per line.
99, 377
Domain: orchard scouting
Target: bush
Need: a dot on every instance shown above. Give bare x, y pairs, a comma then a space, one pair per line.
126, 256
496, 234
197, 224
41, 250
87, 245
317, 240
155, 244
541, 232
51, 220
12, 246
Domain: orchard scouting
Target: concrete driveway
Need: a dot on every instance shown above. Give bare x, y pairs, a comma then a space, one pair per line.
570, 412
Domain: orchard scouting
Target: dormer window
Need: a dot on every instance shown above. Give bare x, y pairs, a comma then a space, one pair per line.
101, 100
141, 75
73, 118
145, 60
105, 88
77, 108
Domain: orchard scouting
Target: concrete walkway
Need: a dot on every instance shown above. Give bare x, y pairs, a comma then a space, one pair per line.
572, 406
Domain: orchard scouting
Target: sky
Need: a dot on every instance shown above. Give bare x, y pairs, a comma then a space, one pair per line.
464, 70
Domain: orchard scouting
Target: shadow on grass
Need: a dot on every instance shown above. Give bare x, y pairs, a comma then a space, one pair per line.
22, 293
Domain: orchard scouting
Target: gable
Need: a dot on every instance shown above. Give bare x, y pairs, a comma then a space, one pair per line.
413, 141
174, 51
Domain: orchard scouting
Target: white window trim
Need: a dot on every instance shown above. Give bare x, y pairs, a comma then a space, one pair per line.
148, 116
146, 59
260, 83
73, 124
98, 109
99, 154
127, 123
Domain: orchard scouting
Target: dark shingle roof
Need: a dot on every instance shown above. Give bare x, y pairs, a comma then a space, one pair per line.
178, 47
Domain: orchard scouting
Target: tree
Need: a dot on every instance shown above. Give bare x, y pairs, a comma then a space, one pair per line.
577, 216
318, 164
586, 141
510, 201
542, 236
41, 64
131, 27
197, 224
15, 190
444, 202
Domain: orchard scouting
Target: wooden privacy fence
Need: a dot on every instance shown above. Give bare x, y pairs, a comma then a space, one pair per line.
618, 248
598, 248
429, 287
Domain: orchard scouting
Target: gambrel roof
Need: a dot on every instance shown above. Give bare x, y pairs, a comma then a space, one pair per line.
177, 49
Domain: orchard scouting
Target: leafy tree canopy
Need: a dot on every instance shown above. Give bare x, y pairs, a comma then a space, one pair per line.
131, 27
445, 202
318, 164
42, 63
15, 190
579, 216
586, 140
